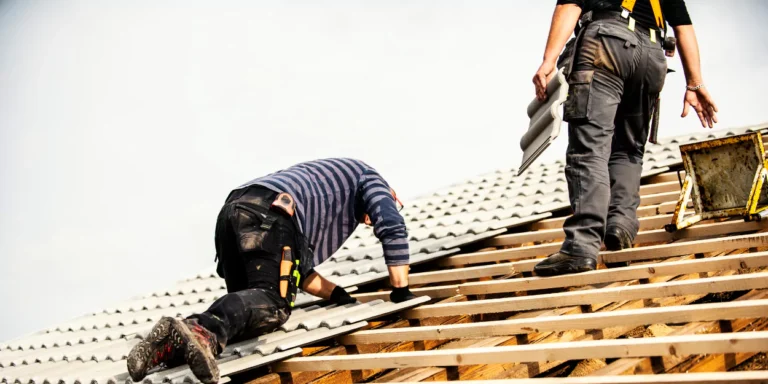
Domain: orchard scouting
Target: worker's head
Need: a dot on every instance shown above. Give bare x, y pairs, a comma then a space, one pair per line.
363, 217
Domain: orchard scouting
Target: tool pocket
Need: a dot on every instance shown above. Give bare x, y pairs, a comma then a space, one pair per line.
254, 228
576, 107
657, 72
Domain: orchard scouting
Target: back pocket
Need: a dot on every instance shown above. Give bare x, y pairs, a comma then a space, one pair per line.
254, 229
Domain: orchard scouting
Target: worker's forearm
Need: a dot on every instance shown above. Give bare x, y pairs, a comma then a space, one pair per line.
318, 286
689, 53
564, 21
398, 275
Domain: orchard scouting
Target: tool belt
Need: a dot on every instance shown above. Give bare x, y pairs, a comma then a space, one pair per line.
264, 226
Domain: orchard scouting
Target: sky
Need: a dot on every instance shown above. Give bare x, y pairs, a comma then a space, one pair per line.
125, 124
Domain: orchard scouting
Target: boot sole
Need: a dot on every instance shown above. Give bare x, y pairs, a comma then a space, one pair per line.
141, 354
200, 359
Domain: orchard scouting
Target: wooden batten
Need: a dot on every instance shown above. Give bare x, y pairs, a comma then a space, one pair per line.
659, 346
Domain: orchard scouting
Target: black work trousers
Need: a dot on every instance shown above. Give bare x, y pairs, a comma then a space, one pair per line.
617, 74
249, 261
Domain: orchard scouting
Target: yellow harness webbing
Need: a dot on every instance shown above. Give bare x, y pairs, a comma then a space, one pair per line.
629, 5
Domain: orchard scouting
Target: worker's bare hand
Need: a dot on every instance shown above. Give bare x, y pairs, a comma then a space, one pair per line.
541, 79
702, 103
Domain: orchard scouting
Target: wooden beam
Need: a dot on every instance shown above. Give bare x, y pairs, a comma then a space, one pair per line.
659, 198
652, 189
645, 236
646, 291
515, 370
670, 206
701, 230
642, 212
526, 237
644, 253
634, 317
666, 178
500, 255
557, 222
658, 346
646, 365
645, 271
686, 248
749, 377
460, 274
414, 375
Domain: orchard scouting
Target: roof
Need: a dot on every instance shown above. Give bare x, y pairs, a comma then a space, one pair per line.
443, 228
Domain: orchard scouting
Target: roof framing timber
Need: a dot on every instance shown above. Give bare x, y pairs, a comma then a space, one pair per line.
633, 317
554, 300
644, 253
753, 377
644, 271
658, 346
652, 233
642, 213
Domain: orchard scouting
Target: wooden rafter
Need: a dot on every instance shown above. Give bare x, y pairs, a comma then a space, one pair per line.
634, 317
646, 271
554, 300
658, 346
753, 377
649, 235
634, 254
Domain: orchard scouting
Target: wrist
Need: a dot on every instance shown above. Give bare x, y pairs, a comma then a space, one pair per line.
694, 81
694, 87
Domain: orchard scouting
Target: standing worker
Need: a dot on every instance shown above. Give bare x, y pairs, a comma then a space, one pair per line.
270, 234
615, 73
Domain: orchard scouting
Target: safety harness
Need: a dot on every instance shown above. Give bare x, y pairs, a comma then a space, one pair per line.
629, 7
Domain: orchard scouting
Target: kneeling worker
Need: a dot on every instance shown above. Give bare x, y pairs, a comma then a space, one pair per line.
270, 234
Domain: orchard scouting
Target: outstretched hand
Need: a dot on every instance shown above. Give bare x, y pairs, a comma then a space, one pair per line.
701, 101
541, 79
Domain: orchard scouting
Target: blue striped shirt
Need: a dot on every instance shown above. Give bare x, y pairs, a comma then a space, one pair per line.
325, 192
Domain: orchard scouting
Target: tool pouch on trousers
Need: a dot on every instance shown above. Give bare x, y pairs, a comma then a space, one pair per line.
576, 107
290, 276
264, 233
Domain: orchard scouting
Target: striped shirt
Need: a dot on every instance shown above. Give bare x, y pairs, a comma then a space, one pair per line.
326, 193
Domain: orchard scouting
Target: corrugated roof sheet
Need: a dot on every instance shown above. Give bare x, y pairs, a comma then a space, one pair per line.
92, 348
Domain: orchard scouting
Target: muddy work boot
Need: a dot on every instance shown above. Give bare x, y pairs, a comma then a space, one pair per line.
171, 343
562, 264
202, 349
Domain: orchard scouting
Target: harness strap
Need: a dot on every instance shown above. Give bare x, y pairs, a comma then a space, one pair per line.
629, 5
656, 6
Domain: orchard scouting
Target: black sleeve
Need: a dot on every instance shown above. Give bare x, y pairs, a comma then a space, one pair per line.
676, 12
580, 3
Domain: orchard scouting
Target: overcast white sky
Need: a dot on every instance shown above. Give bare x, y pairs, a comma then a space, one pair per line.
124, 124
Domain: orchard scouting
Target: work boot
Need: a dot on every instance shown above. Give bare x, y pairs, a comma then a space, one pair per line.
617, 239
171, 343
562, 264
202, 349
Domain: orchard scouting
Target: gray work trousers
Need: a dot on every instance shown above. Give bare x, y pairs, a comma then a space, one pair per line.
617, 74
